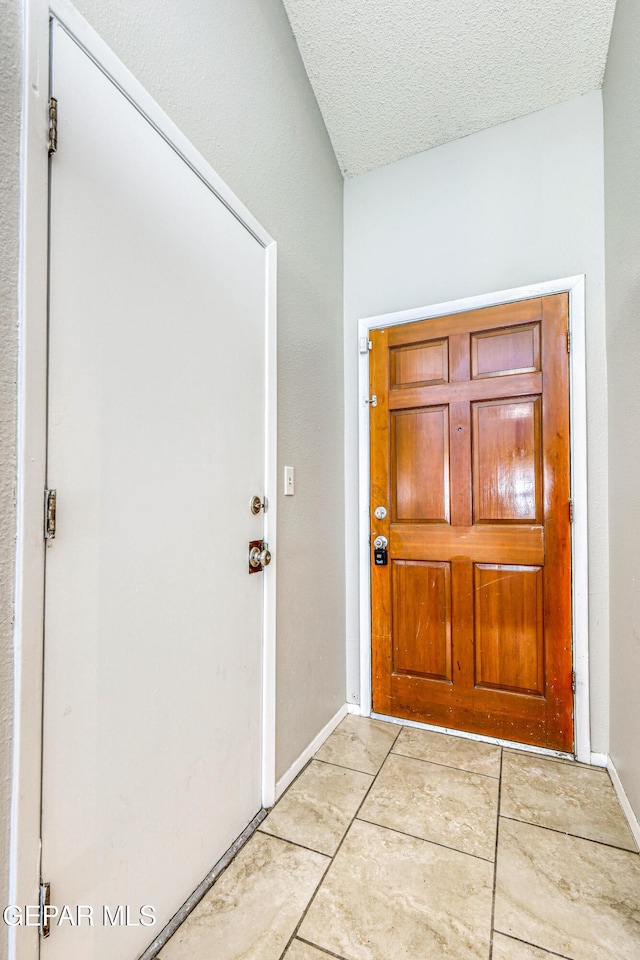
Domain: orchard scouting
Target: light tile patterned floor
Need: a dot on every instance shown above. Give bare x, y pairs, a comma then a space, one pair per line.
400, 844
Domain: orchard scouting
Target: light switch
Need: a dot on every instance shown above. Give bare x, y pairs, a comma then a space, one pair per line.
288, 482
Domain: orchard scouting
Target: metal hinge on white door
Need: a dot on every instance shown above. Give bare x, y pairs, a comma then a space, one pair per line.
53, 125
49, 514
44, 924
570, 511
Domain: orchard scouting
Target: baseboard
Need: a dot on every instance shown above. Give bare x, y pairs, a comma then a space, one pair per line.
355, 709
599, 760
624, 801
309, 751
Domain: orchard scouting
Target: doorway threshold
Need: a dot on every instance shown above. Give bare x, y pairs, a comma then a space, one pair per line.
513, 744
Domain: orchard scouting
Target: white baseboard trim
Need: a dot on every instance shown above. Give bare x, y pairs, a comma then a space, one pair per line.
355, 709
309, 751
624, 801
599, 760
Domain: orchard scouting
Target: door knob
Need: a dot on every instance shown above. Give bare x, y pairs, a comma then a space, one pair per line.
259, 556
380, 556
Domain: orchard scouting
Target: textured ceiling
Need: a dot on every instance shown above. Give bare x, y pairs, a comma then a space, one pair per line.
394, 77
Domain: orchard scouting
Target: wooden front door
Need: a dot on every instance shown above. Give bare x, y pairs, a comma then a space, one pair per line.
471, 616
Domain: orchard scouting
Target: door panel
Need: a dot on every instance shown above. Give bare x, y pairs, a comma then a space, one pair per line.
506, 461
423, 363
422, 629
505, 352
471, 619
153, 627
420, 442
509, 628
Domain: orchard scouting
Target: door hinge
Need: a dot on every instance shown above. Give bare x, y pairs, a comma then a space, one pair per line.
573, 681
570, 511
53, 125
365, 345
49, 514
568, 341
45, 911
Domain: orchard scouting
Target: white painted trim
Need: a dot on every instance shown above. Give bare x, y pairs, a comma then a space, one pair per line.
629, 812
24, 855
580, 529
306, 755
575, 287
599, 759
28, 630
270, 528
364, 486
354, 709
477, 737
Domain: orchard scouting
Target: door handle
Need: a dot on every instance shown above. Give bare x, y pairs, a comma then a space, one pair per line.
380, 555
259, 556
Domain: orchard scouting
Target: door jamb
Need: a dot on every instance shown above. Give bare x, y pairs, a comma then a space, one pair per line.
24, 854
575, 287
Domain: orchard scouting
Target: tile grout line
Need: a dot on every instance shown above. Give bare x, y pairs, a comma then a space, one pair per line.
341, 766
447, 766
536, 946
324, 950
338, 848
413, 836
308, 906
574, 836
294, 843
495, 862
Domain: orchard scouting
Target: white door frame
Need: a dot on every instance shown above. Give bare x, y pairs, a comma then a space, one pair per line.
32, 435
575, 287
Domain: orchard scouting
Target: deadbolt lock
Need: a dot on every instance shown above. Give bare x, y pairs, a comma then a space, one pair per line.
259, 556
257, 505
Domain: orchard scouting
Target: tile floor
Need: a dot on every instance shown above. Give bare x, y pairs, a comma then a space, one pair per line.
401, 844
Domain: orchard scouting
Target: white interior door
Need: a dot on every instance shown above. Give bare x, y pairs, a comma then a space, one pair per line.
153, 626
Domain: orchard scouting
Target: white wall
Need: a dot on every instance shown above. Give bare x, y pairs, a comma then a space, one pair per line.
516, 204
622, 206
